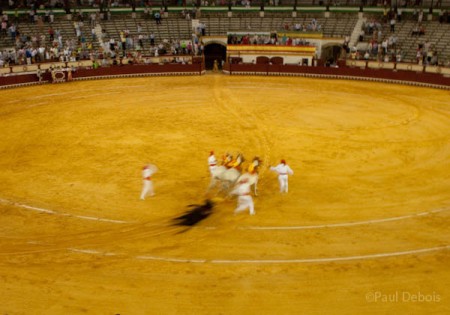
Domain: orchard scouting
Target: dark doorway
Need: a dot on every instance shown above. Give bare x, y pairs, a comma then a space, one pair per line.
214, 52
331, 53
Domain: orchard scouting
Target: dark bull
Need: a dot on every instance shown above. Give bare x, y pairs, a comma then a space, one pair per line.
195, 214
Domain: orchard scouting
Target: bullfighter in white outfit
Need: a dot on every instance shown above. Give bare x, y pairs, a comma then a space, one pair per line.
245, 200
283, 171
212, 162
147, 184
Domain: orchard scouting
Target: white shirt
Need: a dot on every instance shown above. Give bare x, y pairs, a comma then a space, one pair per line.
282, 169
147, 172
212, 160
242, 190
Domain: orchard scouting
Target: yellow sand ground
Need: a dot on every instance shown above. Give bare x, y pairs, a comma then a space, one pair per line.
364, 228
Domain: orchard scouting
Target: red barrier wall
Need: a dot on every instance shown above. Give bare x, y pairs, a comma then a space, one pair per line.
258, 69
137, 69
398, 75
19, 79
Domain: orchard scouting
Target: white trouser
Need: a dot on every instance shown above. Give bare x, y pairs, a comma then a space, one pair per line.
147, 188
212, 169
283, 179
245, 202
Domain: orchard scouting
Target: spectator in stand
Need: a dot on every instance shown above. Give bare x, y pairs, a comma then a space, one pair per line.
374, 47
361, 35
157, 17
123, 41
421, 30
51, 33
5, 18
203, 28
146, 13
104, 35
415, 14
93, 19
42, 39
441, 16
152, 39
371, 27
41, 53
399, 14
392, 24
384, 46
141, 41
47, 16
398, 57
201, 48
31, 14
112, 44
93, 35
426, 46
419, 56
385, 14
428, 57
4, 28
366, 55
420, 16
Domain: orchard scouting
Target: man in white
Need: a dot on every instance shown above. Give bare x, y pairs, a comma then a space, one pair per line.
283, 171
147, 184
212, 162
245, 200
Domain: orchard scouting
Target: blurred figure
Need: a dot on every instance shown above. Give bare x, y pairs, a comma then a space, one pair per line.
245, 200
147, 184
283, 171
212, 162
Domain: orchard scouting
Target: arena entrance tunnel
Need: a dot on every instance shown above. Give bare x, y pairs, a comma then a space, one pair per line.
331, 53
214, 51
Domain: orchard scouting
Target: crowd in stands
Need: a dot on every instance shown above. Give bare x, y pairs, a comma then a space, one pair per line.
312, 26
12, 4
385, 47
133, 44
47, 42
262, 39
274, 38
380, 46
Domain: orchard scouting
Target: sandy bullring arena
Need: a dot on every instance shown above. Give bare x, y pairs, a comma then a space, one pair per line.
364, 228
